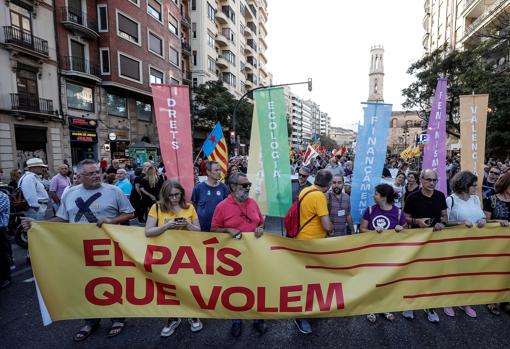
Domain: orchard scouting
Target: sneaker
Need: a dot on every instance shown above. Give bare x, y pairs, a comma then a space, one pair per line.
449, 311
236, 329
170, 327
303, 326
371, 317
408, 314
469, 311
431, 315
13, 267
195, 325
260, 326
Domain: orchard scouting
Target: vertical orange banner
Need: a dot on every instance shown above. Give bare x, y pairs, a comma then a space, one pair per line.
173, 118
473, 123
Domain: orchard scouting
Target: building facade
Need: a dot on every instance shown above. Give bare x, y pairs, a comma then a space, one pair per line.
342, 136
31, 119
228, 43
405, 127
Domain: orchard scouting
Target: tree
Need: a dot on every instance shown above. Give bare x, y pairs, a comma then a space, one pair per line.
467, 71
213, 102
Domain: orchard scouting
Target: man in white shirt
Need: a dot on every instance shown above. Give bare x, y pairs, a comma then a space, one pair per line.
33, 189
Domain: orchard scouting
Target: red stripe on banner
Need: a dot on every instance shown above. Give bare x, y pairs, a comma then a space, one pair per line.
419, 278
173, 119
219, 156
399, 244
419, 260
222, 145
438, 294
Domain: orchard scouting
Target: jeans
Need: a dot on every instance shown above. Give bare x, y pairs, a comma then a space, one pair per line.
38, 214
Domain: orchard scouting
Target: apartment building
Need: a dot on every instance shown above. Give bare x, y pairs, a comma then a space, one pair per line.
228, 43
110, 53
31, 120
342, 136
462, 23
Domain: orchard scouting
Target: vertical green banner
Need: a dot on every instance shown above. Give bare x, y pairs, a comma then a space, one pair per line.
274, 143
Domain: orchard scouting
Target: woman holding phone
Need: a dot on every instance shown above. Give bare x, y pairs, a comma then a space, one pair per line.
172, 212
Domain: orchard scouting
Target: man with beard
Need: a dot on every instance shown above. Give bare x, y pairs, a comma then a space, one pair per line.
339, 207
301, 183
235, 215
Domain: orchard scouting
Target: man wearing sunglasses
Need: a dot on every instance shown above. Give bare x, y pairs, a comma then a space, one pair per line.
488, 183
236, 215
426, 208
301, 183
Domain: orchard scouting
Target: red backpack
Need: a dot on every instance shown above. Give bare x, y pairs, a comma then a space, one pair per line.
291, 220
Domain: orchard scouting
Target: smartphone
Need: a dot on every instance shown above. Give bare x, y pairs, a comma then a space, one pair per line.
180, 221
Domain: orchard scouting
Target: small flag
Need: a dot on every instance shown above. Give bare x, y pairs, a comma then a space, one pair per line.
309, 155
215, 148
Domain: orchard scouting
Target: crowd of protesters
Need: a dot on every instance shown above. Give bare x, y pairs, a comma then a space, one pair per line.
117, 194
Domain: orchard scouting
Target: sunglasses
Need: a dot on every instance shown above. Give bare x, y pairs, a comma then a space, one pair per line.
245, 185
303, 175
495, 173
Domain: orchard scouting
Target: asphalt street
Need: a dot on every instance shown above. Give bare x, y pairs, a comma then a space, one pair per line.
21, 327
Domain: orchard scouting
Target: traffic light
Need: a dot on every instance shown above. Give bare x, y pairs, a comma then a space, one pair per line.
232, 137
310, 84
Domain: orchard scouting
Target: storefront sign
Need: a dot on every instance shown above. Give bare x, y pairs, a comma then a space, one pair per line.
82, 123
83, 136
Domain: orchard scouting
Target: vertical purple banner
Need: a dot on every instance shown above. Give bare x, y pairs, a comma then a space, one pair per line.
435, 150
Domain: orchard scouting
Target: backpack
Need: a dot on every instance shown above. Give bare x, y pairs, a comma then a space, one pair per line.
291, 220
17, 198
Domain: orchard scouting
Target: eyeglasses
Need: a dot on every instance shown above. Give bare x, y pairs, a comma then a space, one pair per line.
495, 173
302, 175
176, 195
90, 174
245, 185
433, 180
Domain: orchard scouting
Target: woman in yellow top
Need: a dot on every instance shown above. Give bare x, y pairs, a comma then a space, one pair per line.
172, 212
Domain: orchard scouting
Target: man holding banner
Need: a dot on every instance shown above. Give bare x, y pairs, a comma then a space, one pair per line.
235, 215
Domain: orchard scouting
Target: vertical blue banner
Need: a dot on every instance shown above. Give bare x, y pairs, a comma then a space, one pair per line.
371, 147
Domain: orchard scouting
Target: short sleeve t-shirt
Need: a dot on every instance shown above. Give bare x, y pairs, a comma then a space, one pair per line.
314, 204
188, 214
245, 217
421, 206
384, 219
498, 209
80, 205
206, 198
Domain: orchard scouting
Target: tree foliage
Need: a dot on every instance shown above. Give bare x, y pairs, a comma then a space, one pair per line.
467, 72
213, 102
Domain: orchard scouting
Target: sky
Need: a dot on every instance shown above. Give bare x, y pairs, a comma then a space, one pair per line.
330, 40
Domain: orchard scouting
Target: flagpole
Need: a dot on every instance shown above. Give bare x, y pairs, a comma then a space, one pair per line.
196, 159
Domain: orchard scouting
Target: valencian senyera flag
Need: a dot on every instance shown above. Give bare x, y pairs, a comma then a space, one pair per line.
215, 148
473, 122
370, 156
269, 163
434, 155
173, 118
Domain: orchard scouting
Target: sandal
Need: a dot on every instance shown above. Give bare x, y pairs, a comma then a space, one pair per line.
116, 329
82, 334
493, 309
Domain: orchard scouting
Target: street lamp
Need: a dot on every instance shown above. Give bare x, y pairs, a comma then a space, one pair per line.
308, 82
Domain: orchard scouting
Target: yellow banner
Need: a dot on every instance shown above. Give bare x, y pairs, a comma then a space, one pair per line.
473, 122
87, 272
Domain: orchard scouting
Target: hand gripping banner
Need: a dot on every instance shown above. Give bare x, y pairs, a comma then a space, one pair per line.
115, 271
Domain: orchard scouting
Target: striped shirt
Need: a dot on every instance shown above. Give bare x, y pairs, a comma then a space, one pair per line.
4, 210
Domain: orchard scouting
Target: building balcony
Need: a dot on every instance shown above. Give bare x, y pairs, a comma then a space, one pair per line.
221, 39
262, 40
474, 8
186, 77
263, 56
186, 21
251, 43
31, 104
186, 49
426, 22
221, 17
425, 41
221, 62
489, 14
249, 68
249, 84
25, 42
80, 68
78, 21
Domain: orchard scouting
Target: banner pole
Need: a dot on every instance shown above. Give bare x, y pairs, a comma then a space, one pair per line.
198, 155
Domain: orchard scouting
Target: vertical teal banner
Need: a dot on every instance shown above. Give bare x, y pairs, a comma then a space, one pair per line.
274, 143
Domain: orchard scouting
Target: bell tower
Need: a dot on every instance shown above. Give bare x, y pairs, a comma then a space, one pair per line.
376, 74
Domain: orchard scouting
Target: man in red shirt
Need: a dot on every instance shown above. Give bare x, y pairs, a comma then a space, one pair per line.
235, 215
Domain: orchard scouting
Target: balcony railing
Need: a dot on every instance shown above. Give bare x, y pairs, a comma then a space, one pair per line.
24, 102
15, 36
81, 65
487, 13
76, 16
252, 44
